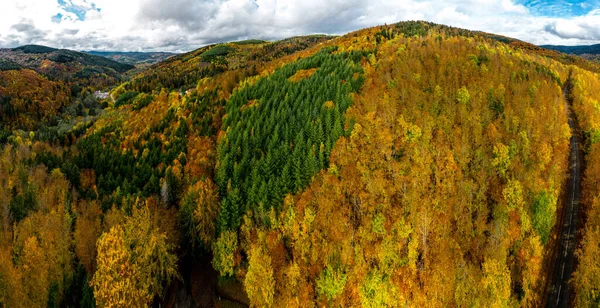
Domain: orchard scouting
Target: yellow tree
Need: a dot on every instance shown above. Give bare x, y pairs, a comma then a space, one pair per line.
496, 281
259, 282
35, 274
134, 260
11, 289
88, 228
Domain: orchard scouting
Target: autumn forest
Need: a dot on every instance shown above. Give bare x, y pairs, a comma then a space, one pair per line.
404, 165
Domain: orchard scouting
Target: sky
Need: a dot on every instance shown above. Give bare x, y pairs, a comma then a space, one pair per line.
184, 25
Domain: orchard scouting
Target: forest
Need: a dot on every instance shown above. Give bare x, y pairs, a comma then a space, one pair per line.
411, 164
43, 87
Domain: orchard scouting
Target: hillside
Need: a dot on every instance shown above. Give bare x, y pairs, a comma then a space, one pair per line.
63, 64
576, 50
184, 71
38, 83
133, 58
591, 52
411, 164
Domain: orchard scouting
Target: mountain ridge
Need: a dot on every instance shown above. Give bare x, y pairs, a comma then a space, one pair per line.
133, 57
577, 50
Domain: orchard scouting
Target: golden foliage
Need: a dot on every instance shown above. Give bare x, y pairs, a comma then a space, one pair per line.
430, 196
88, 228
134, 260
259, 282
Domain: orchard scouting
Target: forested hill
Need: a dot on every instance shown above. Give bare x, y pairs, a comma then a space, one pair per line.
411, 164
591, 52
38, 84
133, 58
577, 50
62, 64
184, 71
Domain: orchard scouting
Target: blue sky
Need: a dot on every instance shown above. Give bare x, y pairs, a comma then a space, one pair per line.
183, 25
78, 10
560, 8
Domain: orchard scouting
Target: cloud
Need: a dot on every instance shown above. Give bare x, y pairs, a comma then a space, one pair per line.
188, 14
183, 25
23, 27
27, 32
581, 28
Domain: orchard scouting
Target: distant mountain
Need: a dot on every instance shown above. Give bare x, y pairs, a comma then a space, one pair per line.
37, 83
576, 50
63, 64
590, 52
133, 58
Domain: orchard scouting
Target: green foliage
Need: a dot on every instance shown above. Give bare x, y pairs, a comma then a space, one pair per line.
203, 108
219, 50
496, 104
62, 58
142, 100
249, 42
140, 174
413, 28
4, 134
125, 98
186, 220
7, 65
594, 136
378, 224
22, 203
35, 49
378, 291
543, 209
185, 71
277, 140
223, 250
331, 283
462, 96
501, 39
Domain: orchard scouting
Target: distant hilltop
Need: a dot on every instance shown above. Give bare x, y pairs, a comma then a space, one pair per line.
133, 57
591, 52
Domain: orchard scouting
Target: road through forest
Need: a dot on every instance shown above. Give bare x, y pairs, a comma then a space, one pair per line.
558, 295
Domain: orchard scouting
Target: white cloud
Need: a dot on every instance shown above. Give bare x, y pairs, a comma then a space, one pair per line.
449, 14
509, 6
181, 25
582, 28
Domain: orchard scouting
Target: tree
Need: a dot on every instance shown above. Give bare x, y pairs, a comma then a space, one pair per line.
224, 250
114, 282
501, 159
198, 213
496, 281
331, 283
88, 228
134, 260
259, 282
462, 96
35, 274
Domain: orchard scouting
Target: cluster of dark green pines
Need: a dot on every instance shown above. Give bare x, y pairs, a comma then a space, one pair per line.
280, 132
